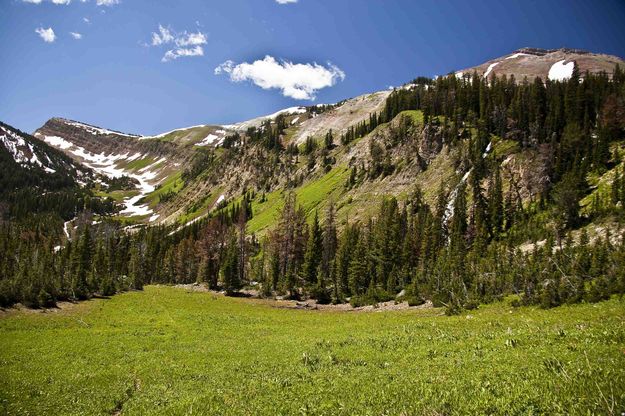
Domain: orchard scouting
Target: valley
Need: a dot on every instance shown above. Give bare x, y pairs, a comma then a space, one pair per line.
168, 351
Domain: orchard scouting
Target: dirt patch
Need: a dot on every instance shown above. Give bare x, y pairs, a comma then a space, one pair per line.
17, 308
309, 304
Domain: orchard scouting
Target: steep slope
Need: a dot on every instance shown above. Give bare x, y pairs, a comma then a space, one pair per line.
553, 64
34, 156
148, 162
181, 175
38, 179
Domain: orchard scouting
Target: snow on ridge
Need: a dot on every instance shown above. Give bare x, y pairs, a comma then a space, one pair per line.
490, 68
258, 120
98, 130
561, 71
160, 136
518, 55
290, 110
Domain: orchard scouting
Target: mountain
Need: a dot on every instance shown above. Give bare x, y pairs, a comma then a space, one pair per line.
458, 190
553, 64
159, 163
37, 178
179, 176
31, 155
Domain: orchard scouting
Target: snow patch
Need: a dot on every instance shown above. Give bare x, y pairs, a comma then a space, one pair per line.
490, 68
59, 142
561, 71
517, 55
97, 130
220, 200
22, 151
210, 139
160, 136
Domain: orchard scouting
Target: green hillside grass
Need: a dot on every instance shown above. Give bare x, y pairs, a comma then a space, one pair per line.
173, 183
167, 351
311, 196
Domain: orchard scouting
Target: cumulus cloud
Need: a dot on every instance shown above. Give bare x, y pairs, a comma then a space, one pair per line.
162, 36
184, 44
286, 1
298, 81
46, 34
76, 35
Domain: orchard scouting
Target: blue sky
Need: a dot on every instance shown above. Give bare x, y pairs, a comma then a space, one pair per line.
115, 75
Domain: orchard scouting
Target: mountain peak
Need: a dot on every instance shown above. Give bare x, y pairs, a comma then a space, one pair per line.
530, 63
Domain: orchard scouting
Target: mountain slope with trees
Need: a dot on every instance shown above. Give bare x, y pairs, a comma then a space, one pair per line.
458, 190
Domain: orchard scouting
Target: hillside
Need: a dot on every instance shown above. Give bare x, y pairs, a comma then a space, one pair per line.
552, 64
37, 180
423, 180
183, 174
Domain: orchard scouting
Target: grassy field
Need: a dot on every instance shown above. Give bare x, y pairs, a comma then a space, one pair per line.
311, 196
169, 351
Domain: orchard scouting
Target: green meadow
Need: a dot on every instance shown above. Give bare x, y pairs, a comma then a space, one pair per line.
169, 351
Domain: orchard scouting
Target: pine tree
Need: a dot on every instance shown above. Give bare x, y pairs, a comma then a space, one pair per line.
230, 267
312, 258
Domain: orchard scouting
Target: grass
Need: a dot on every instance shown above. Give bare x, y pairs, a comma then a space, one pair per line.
168, 351
118, 195
173, 183
415, 115
310, 196
201, 207
139, 164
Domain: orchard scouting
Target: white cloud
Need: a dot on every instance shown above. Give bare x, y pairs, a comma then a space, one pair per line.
187, 39
180, 52
286, 1
163, 36
86, 20
46, 34
298, 81
107, 2
186, 44
76, 35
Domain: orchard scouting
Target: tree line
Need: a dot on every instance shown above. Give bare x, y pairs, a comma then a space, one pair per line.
465, 249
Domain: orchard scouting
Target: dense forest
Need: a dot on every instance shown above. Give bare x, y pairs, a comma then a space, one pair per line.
467, 248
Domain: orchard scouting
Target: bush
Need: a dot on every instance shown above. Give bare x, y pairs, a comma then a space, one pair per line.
321, 294
372, 297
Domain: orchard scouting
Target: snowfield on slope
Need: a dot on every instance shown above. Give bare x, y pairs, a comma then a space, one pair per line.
561, 71
16, 145
107, 165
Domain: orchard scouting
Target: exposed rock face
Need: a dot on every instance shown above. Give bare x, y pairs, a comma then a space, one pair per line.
102, 141
342, 117
545, 63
